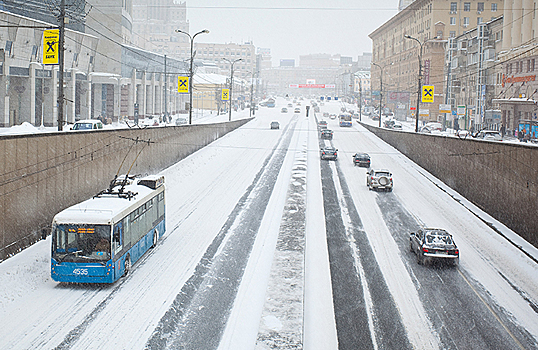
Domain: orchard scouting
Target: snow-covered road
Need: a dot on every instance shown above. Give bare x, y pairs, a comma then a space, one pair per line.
266, 246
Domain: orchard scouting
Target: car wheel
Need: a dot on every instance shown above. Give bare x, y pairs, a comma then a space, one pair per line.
420, 259
456, 261
411, 246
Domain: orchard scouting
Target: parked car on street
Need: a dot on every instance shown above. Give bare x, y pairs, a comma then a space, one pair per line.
181, 121
330, 153
431, 244
490, 135
326, 134
87, 124
275, 125
380, 179
297, 110
361, 159
284, 110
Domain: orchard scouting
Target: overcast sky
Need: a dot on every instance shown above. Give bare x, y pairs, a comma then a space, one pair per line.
292, 27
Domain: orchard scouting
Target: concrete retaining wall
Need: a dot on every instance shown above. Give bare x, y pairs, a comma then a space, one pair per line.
42, 174
500, 178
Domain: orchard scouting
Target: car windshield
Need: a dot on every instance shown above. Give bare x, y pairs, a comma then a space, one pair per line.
81, 242
382, 173
438, 239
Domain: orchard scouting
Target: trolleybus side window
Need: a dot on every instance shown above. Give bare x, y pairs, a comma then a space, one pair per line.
116, 238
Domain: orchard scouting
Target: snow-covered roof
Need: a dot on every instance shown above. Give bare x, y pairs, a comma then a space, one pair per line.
102, 209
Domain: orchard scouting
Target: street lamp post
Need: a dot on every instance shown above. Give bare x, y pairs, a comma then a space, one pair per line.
419, 76
205, 31
231, 83
381, 88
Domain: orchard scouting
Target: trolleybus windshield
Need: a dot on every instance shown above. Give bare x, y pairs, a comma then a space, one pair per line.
81, 242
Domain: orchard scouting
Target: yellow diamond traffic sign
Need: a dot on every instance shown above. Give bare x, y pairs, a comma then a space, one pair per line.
427, 94
183, 85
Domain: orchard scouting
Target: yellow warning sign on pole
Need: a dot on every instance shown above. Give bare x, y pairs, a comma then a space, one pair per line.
183, 85
51, 40
225, 94
427, 94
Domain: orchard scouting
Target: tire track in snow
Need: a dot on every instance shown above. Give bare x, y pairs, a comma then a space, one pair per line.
366, 314
457, 309
198, 315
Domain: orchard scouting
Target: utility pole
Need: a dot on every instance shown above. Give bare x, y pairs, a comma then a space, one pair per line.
165, 91
61, 49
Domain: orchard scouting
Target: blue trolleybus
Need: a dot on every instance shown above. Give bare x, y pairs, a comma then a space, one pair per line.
345, 119
98, 240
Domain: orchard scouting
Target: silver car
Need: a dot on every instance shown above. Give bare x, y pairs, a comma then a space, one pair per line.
380, 179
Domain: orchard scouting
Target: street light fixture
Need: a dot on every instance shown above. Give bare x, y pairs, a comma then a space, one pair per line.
205, 31
419, 75
231, 83
381, 88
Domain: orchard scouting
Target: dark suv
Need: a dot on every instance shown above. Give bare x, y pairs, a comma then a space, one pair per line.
361, 159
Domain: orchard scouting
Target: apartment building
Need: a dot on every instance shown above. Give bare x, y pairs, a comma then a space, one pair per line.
474, 75
429, 24
518, 97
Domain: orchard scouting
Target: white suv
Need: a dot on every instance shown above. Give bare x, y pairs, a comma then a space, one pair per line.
379, 179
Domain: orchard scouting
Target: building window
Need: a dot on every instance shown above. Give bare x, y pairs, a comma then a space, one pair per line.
465, 21
453, 21
466, 6
532, 65
453, 7
493, 7
452, 34
479, 20
480, 6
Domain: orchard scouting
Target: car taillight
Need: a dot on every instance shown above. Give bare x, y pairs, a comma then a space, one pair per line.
425, 250
456, 252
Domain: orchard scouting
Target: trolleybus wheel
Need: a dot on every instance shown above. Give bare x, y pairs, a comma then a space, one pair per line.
155, 238
127, 265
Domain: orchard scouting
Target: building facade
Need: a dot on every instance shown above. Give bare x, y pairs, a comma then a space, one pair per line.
473, 76
103, 76
518, 98
429, 24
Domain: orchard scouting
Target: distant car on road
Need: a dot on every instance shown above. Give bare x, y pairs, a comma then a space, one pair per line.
275, 125
322, 124
87, 124
284, 110
326, 134
380, 179
332, 116
297, 110
330, 153
433, 244
361, 159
